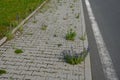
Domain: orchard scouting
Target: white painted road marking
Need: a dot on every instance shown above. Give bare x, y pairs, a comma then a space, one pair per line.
106, 60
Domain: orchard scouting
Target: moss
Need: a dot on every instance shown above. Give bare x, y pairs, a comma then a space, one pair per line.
44, 27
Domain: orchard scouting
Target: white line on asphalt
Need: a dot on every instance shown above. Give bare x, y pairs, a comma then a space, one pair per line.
106, 60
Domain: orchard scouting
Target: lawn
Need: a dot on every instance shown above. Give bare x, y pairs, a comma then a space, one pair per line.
12, 12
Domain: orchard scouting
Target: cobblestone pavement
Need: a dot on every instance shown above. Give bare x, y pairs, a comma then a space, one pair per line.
42, 42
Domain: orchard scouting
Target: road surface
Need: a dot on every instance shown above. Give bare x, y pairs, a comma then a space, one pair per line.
107, 14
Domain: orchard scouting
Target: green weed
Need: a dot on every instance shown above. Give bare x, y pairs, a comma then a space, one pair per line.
71, 35
44, 27
77, 16
18, 51
20, 29
74, 58
2, 71
83, 37
9, 36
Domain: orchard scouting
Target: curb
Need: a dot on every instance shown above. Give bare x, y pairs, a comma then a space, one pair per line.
4, 39
88, 75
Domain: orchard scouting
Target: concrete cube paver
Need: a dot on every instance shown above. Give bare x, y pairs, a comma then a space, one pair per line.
42, 58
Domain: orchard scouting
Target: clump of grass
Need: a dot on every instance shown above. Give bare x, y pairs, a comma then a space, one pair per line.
18, 51
9, 35
34, 21
83, 37
71, 35
77, 16
20, 29
11, 78
2, 71
44, 27
74, 58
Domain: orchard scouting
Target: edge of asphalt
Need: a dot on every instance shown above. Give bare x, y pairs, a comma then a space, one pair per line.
4, 39
94, 57
88, 75
106, 62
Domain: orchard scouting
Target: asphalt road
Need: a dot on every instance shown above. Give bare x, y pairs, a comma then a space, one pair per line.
107, 14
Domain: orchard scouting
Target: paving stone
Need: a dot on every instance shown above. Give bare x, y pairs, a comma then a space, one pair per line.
42, 58
27, 72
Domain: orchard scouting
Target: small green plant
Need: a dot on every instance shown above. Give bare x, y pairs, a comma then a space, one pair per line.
44, 27
2, 71
71, 35
18, 51
13, 46
55, 35
74, 58
77, 16
9, 35
20, 29
11, 78
0, 54
83, 37
46, 42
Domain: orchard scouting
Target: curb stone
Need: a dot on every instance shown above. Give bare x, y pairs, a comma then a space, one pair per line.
88, 75
4, 39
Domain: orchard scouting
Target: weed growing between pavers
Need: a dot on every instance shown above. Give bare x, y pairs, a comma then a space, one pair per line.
18, 51
74, 58
77, 17
34, 21
71, 35
2, 71
55, 35
9, 36
11, 78
83, 37
44, 27
20, 29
